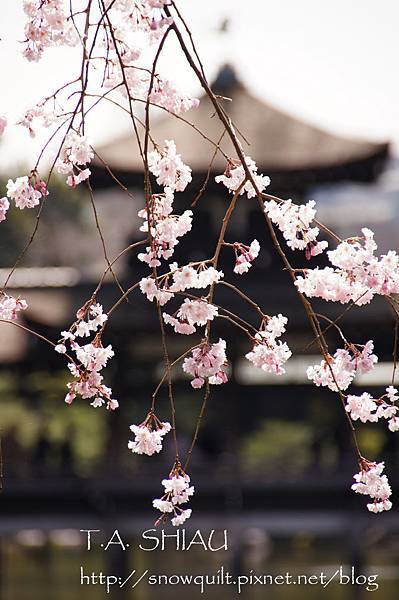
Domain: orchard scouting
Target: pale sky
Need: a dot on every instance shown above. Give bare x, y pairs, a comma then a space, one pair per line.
332, 62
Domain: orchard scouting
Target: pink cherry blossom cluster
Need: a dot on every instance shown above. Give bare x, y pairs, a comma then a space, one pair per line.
47, 25
26, 191
165, 94
40, 113
76, 152
358, 274
245, 255
197, 277
340, 370
89, 319
165, 228
127, 45
4, 206
3, 124
268, 353
145, 16
90, 359
179, 279
137, 80
295, 224
371, 482
366, 408
207, 362
190, 314
168, 167
9, 307
154, 291
177, 492
235, 175
148, 435
137, 26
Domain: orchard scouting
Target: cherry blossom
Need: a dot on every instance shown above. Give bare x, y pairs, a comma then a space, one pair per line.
148, 435
3, 124
60, 348
74, 180
295, 224
196, 277
168, 167
198, 312
179, 279
164, 227
137, 80
268, 353
91, 358
39, 113
89, 319
245, 255
234, 175
177, 492
47, 25
368, 409
207, 362
371, 482
191, 313
149, 288
342, 368
164, 94
393, 424
9, 307
357, 275
88, 381
76, 152
4, 206
362, 407
146, 16
24, 194
392, 393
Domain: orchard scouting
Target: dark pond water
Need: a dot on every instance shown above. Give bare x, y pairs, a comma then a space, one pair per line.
47, 566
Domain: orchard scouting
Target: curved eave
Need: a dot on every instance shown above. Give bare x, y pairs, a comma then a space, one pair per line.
364, 169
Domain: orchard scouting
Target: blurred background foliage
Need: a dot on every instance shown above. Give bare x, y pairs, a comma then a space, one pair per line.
278, 445
64, 207
42, 427
77, 436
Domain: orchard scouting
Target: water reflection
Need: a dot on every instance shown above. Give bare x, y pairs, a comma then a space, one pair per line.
46, 565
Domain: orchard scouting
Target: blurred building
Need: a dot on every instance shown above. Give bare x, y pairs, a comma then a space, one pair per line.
293, 153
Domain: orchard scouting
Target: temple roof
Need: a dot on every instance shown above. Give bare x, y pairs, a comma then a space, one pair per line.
278, 141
